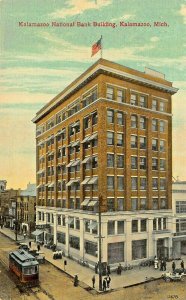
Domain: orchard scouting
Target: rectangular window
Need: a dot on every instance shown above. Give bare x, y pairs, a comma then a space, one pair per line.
134, 141
162, 164
134, 183
111, 227
134, 225
154, 203
94, 162
94, 118
143, 101
87, 225
120, 139
154, 144
143, 183
162, 126
110, 93
90, 248
154, 164
134, 203
163, 184
154, 183
61, 238
154, 104
120, 227
110, 138
134, 162
143, 142
143, 225
143, 203
120, 118
110, 116
110, 204
120, 96
120, 182
162, 106
154, 125
139, 249
110, 160
180, 207
142, 123
120, 161
162, 145
143, 163
74, 242
134, 121
120, 204
163, 203
133, 99
110, 182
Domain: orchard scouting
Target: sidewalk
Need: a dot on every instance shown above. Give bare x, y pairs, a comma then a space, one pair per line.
127, 278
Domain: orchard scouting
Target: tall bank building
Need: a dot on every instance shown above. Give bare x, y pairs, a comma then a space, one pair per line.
105, 142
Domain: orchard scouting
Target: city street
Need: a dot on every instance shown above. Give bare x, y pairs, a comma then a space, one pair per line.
57, 285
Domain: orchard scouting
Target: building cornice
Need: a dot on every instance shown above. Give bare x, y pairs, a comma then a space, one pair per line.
89, 75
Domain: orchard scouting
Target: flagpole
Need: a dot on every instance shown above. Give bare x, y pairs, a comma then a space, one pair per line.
101, 46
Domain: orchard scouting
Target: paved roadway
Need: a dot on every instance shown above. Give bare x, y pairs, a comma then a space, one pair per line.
56, 285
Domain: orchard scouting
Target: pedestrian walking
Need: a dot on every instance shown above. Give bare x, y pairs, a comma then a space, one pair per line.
182, 265
161, 265
38, 247
173, 266
165, 265
155, 263
96, 268
76, 280
93, 281
30, 244
108, 279
119, 269
104, 285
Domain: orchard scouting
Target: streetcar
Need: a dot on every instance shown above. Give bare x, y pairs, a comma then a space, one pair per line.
25, 267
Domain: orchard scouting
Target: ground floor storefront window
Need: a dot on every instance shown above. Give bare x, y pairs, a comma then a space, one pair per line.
91, 248
74, 242
115, 252
139, 249
61, 238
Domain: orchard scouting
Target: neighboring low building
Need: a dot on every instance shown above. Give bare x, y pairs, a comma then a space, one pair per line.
179, 221
6, 198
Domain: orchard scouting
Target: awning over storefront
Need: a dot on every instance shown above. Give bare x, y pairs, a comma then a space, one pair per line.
93, 180
75, 163
93, 136
75, 124
70, 182
37, 232
51, 184
85, 202
85, 139
92, 203
75, 144
70, 164
85, 180
87, 159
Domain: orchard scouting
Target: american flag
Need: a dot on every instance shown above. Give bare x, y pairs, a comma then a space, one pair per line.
96, 47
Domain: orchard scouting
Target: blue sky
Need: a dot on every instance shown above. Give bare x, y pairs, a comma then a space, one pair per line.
37, 63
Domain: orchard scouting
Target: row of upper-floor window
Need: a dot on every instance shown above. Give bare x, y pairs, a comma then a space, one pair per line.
137, 99
112, 93
136, 121
180, 207
136, 162
136, 203
137, 182
118, 139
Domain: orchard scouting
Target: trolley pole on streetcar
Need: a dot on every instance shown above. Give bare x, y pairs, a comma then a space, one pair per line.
16, 222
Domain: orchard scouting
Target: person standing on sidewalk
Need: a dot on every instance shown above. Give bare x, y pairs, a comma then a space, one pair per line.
173, 266
108, 279
30, 244
93, 281
182, 265
38, 247
104, 285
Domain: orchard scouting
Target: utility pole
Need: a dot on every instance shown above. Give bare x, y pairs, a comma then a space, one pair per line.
16, 220
100, 248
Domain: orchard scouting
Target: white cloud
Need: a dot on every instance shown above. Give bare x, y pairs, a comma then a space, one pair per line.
154, 39
76, 7
182, 12
124, 17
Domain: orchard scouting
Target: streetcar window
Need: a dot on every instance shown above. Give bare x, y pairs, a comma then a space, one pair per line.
30, 270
